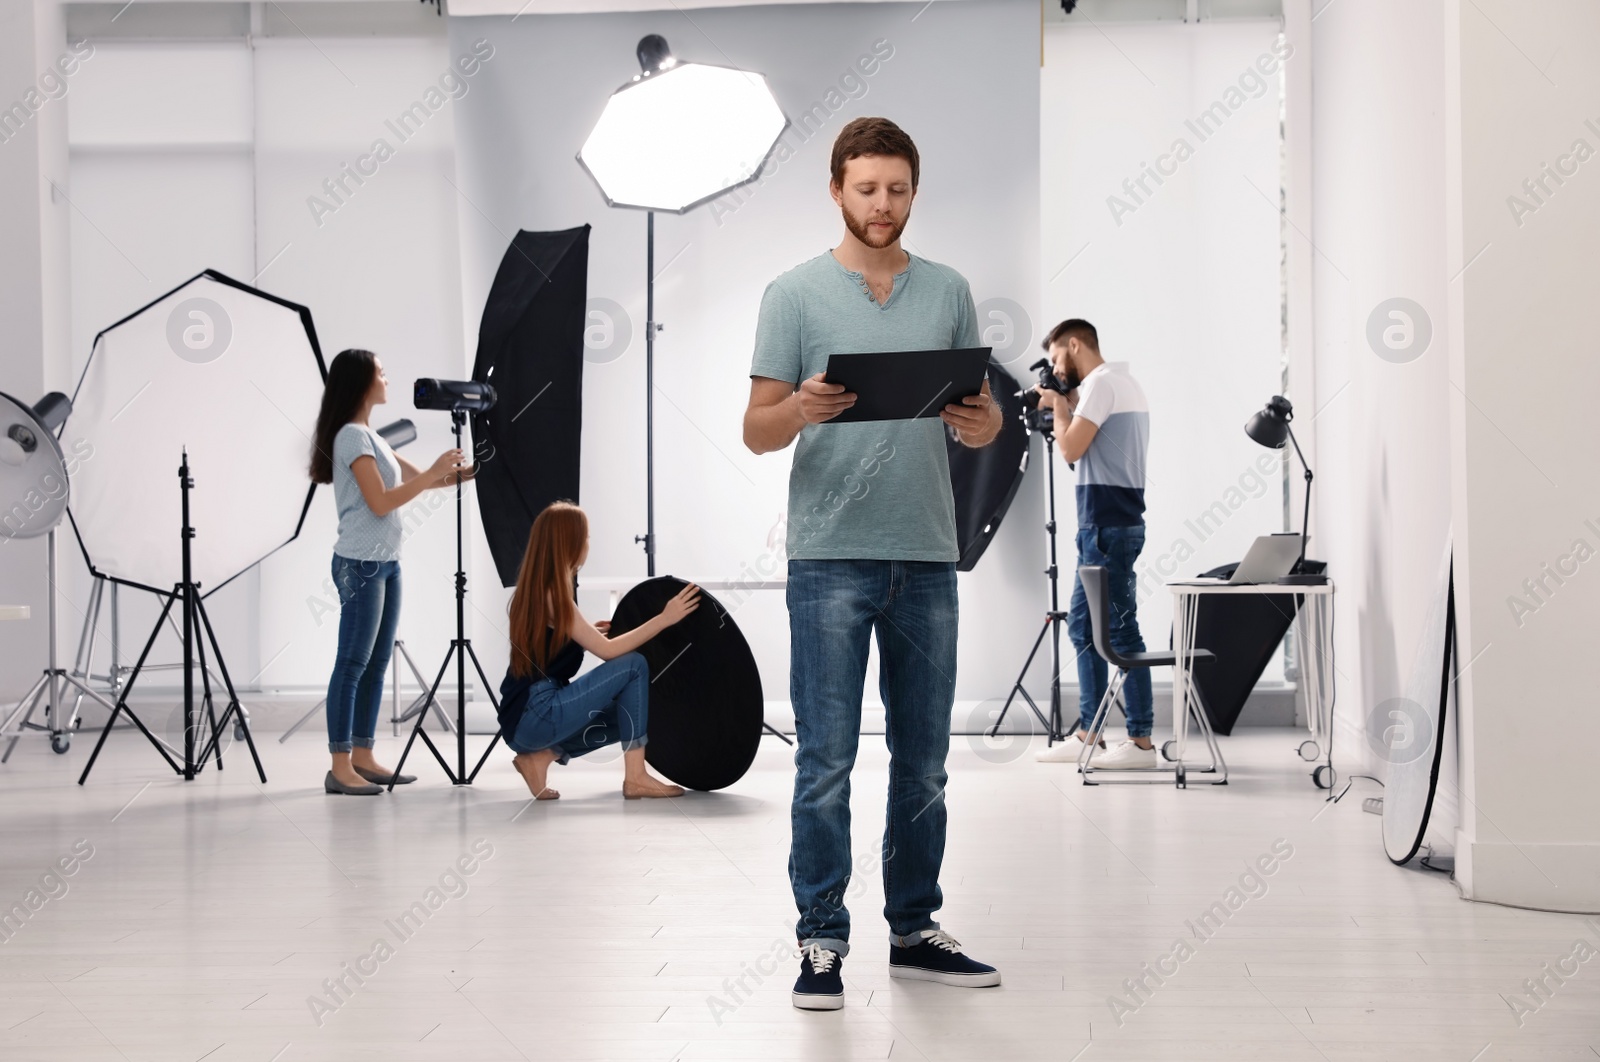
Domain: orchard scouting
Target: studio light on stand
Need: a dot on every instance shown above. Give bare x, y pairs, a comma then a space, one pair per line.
458, 398
675, 136
34, 491
1270, 427
1041, 419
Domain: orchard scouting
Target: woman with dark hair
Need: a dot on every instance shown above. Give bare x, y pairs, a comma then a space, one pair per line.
370, 484
545, 716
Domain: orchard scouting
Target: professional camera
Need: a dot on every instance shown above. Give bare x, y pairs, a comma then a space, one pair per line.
1037, 419
453, 396
1051, 382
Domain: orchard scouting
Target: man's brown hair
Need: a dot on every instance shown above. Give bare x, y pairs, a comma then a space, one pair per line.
1073, 328
872, 136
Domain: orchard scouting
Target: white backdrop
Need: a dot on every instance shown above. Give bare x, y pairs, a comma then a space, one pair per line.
1180, 278
196, 154
962, 80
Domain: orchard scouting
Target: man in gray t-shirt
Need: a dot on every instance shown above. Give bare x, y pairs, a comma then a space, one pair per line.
872, 550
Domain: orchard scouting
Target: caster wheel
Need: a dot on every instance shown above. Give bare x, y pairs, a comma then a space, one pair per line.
1309, 751
1169, 749
1183, 777
238, 732
60, 743
1323, 777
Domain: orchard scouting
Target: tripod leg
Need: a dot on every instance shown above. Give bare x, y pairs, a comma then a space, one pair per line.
234, 708
490, 691
416, 728
1016, 687
30, 702
775, 732
425, 698
122, 701
304, 719
214, 746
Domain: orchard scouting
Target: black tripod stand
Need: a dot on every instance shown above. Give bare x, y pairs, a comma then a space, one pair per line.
460, 649
1052, 620
194, 655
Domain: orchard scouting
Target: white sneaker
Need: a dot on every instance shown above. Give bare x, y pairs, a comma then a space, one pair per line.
1066, 751
1125, 757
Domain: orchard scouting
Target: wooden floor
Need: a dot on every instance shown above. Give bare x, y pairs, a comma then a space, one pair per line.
210, 914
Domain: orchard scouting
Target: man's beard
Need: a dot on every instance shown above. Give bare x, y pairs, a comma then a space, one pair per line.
858, 228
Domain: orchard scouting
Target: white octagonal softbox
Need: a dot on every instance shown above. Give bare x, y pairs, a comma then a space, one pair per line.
234, 376
670, 140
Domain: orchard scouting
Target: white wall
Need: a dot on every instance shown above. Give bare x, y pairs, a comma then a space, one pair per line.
1382, 494
189, 155
1426, 118
33, 288
956, 69
1527, 488
1180, 278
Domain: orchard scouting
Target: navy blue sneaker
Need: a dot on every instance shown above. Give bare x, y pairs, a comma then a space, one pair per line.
938, 957
819, 987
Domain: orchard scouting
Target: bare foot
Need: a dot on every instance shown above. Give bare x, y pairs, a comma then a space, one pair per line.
534, 768
633, 789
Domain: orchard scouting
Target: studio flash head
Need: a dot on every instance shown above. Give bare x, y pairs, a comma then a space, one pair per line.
453, 396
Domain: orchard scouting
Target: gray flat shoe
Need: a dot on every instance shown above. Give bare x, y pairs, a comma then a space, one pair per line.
331, 784
378, 778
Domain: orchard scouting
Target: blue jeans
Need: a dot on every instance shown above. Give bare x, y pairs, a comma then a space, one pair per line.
369, 613
835, 608
1115, 549
609, 705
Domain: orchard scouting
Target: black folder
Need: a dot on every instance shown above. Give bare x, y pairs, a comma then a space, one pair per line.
906, 384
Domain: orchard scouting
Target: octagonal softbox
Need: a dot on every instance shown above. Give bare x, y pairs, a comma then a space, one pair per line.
705, 690
675, 138
234, 376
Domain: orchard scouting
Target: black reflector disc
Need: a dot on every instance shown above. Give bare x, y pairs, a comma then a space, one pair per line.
705, 691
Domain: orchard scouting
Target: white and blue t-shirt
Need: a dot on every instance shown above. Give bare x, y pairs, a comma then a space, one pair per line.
1111, 471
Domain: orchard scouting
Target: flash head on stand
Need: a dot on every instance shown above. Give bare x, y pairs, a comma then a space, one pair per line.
453, 396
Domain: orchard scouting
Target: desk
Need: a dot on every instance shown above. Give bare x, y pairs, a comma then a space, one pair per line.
1314, 618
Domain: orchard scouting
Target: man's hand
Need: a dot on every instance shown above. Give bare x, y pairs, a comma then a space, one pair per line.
819, 401
977, 419
1056, 401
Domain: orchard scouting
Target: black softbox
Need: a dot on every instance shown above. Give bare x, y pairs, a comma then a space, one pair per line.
985, 479
530, 347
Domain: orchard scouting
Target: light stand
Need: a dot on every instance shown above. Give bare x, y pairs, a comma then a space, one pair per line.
460, 649
1270, 427
51, 689
1053, 619
650, 327
194, 642
675, 136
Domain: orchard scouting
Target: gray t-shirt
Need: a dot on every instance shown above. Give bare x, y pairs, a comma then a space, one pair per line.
363, 534
878, 490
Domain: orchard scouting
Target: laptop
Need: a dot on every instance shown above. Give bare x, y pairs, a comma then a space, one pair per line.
1269, 559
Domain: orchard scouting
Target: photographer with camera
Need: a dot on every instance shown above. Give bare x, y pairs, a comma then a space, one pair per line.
1102, 426
370, 484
